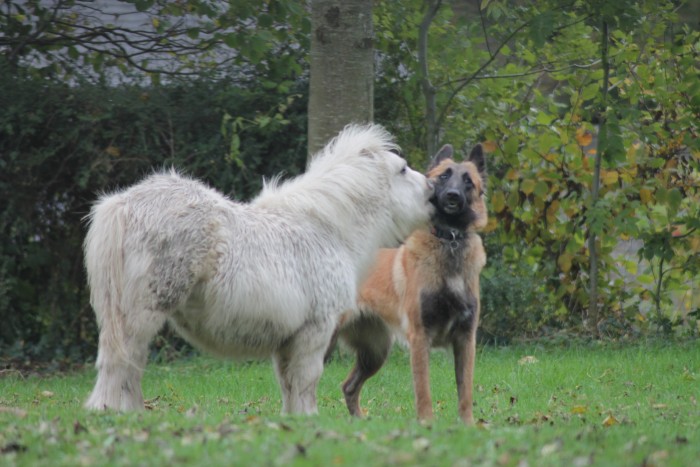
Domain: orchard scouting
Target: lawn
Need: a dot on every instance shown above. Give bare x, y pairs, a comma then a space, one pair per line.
622, 405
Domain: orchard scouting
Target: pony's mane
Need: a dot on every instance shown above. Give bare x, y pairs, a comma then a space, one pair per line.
341, 178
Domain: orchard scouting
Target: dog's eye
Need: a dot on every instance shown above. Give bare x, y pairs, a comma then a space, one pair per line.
446, 174
403, 170
467, 180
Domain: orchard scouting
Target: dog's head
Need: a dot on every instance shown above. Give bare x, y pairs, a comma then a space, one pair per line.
459, 189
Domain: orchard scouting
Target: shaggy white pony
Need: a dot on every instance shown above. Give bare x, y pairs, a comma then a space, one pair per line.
268, 278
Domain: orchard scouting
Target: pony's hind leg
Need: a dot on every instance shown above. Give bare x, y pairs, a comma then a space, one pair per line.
298, 366
121, 358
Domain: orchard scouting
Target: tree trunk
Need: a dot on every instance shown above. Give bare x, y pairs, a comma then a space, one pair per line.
342, 68
431, 130
593, 312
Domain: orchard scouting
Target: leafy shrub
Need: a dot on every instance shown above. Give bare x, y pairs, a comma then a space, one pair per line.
60, 146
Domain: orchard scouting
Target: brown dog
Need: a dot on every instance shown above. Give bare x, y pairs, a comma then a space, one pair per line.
426, 291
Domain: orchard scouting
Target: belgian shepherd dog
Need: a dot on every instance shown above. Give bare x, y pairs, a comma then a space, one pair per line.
426, 291
268, 278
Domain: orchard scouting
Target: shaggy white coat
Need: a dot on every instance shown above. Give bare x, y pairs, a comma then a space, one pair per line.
267, 278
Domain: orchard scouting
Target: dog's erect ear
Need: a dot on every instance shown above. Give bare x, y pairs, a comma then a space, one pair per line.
477, 158
445, 152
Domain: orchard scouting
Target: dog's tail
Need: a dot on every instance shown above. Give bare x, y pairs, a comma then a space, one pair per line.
104, 262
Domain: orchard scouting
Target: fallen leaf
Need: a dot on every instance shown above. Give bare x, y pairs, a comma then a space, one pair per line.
610, 420
483, 424
78, 427
13, 447
47, 393
658, 456
421, 444
528, 359
13, 411
552, 447
579, 409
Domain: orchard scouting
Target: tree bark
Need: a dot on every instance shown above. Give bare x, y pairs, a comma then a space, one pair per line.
431, 130
593, 311
342, 68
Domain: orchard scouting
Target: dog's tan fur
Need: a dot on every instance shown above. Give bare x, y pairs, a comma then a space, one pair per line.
405, 293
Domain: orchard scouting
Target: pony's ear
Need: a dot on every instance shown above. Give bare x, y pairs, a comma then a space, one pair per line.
477, 158
445, 152
368, 154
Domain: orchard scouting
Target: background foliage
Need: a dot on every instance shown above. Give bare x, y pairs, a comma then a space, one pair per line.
61, 146
524, 78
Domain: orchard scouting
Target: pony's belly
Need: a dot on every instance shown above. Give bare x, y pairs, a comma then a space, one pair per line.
235, 339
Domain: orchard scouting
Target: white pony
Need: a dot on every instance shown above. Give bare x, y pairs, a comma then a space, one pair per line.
268, 278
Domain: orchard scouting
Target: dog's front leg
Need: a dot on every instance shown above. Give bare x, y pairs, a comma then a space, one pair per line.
464, 352
464, 348
420, 356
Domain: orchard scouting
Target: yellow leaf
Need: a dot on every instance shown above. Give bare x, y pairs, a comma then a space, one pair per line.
491, 225
695, 244
579, 409
527, 186
155, 22
527, 359
512, 174
564, 262
113, 151
586, 163
610, 420
609, 177
645, 195
552, 212
489, 146
632, 152
583, 137
498, 201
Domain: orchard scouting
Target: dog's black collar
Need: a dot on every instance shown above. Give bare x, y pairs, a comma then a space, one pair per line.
448, 234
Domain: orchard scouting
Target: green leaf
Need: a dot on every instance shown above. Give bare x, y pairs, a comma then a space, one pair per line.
541, 189
527, 186
590, 91
542, 28
511, 146
674, 200
645, 279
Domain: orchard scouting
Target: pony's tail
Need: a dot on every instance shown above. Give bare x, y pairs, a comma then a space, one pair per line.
104, 262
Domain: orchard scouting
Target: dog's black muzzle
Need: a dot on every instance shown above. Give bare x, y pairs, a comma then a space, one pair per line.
451, 201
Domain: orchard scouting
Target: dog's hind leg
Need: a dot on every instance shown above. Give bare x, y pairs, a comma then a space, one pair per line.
371, 340
121, 358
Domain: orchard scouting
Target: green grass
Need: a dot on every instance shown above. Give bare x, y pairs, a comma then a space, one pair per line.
587, 405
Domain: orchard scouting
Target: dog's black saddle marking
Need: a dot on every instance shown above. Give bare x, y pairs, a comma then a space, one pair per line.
447, 314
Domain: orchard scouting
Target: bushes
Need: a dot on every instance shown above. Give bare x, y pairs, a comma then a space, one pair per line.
61, 146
